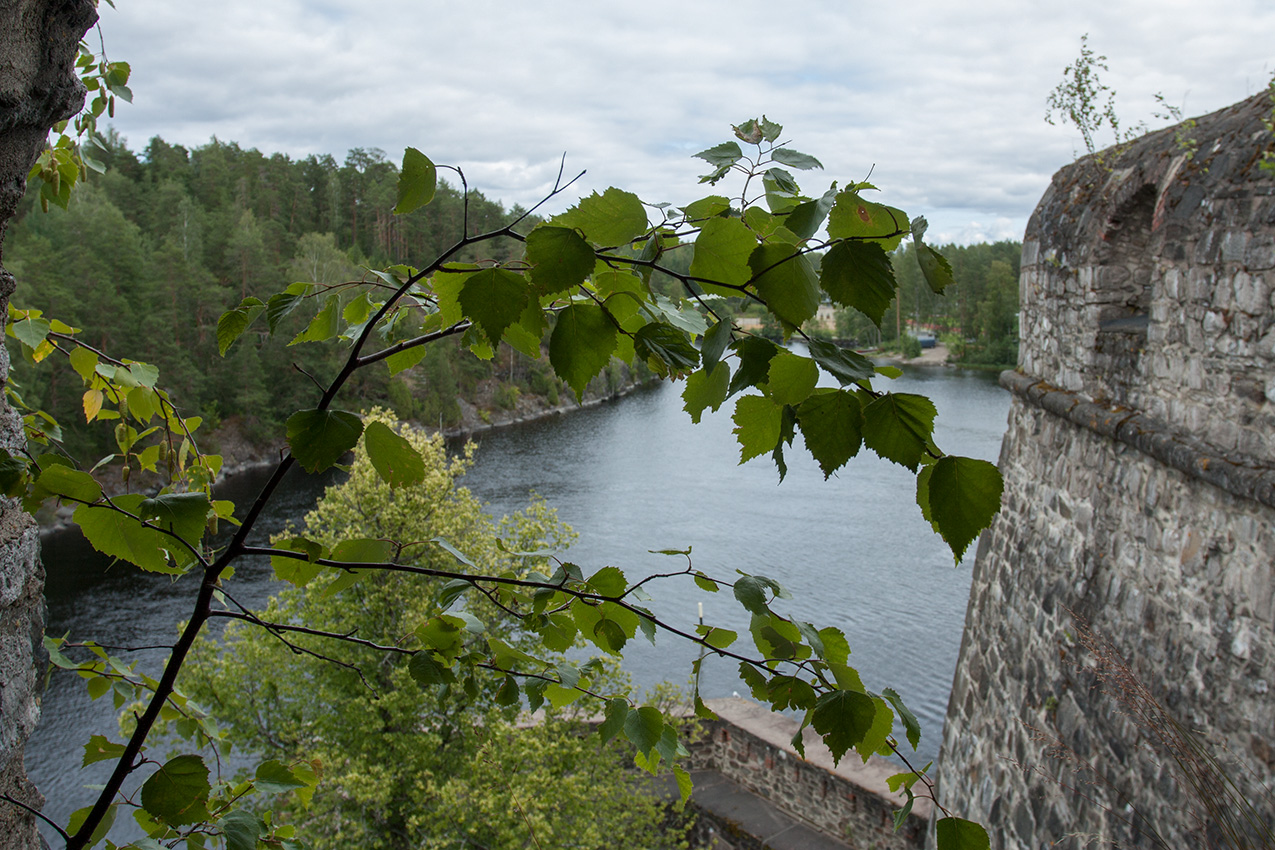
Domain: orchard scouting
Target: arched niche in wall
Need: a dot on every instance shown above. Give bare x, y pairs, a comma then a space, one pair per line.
1125, 262
1124, 265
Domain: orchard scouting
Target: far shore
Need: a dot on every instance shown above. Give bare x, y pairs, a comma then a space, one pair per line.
936, 356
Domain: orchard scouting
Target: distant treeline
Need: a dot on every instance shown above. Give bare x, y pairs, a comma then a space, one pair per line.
152, 252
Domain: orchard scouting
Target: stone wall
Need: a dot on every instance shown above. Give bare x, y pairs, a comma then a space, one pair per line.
752, 746
1139, 505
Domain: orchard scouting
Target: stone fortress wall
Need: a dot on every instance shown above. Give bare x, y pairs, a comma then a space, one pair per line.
1139, 468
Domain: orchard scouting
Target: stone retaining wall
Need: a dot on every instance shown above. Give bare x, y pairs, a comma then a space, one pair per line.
752, 746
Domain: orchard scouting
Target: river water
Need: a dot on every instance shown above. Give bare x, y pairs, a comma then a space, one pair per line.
630, 476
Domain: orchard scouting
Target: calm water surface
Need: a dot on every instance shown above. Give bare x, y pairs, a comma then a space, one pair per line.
631, 476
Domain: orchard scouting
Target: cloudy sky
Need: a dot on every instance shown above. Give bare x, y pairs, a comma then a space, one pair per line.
942, 101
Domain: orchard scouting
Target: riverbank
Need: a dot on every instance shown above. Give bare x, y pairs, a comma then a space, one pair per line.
936, 356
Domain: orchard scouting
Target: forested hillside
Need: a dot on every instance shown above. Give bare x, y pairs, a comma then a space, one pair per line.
151, 253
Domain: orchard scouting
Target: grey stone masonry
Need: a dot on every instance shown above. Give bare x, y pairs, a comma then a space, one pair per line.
850, 801
1121, 624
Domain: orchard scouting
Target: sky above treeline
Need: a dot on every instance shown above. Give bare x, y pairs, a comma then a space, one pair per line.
943, 103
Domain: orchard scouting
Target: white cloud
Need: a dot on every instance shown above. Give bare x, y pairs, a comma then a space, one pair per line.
943, 102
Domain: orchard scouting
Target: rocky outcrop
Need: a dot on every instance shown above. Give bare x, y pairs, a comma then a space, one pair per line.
38, 87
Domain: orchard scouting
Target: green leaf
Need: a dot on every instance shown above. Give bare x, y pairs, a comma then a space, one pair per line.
234, 322
13, 474
875, 740
859, 275
844, 364
622, 292
670, 747
177, 793
610, 219
779, 181
795, 159
184, 514
714, 343
274, 777
755, 680
98, 687
684, 784
717, 638
751, 593
241, 829
508, 694
897, 426
283, 303
706, 208
99, 748
72, 484
703, 582
758, 422
961, 834
325, 324
843, 718
727, 153
394, 458
617, 714
755, 354
84, 362
854, 218
581, 345
318, 438
446, 287
935, 267
643, 727
831, 423
494, 299
706, 388
417, 182
609, 581
790, 692
806, 218
298, 572
79, 816
30, 330
560, 259
722, 249
665, 349
791, 378
362, 550
609, 636
910, 724
425, 670
401, 361
964, 495
786, 281
118, 536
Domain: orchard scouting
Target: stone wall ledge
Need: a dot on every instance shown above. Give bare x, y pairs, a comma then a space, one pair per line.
1240, 475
